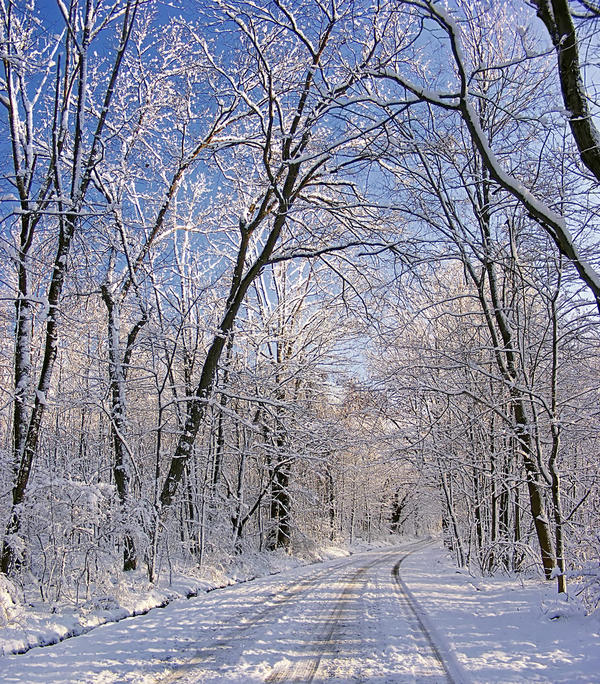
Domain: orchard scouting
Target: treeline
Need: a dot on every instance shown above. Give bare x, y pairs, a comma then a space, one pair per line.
278, 274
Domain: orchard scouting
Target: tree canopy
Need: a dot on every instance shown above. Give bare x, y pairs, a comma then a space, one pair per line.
290, 270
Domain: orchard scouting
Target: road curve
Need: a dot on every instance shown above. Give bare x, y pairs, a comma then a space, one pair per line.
333, 625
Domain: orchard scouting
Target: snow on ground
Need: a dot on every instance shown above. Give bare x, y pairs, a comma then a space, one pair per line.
505, 629
27, 622
342, 620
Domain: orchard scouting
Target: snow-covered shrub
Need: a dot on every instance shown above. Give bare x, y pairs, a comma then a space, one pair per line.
9, 602
584, 577
588, 585
563, 606
72, 532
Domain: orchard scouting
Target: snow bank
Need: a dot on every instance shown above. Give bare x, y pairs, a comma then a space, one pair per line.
9, 604
25, 626
507, 629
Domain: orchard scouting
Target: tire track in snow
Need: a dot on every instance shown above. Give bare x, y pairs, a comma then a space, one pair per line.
305, 670
442, 654
327, 637
275, 603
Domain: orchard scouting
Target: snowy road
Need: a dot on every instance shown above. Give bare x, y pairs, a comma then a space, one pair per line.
329, 626
347, 620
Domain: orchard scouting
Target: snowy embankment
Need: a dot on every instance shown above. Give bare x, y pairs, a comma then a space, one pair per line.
488, 630
26, 624
505, 629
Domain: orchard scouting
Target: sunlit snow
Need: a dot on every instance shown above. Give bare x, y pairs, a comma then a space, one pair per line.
343, 620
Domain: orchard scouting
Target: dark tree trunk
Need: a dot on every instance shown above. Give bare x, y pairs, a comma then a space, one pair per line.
330, 494
117, 370
557, 18
280, 535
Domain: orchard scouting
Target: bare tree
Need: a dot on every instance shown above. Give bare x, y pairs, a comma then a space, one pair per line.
154, 219
462, 98
52, 177
302, 167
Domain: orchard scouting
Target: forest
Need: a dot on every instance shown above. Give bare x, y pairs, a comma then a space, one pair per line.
285, 272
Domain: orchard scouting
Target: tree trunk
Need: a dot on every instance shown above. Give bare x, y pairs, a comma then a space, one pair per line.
197, 405
453, 526
535, 490
556, 15
280, 536
70, 200
118, 421
28, 436
239, 520
330, 495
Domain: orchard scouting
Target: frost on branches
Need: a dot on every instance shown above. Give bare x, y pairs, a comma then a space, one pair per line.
284, 273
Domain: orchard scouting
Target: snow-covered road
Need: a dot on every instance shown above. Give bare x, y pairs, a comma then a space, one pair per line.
332, 624
344, 620
388, 615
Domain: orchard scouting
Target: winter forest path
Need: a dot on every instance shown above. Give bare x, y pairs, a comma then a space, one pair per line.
352, 619
331, 626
